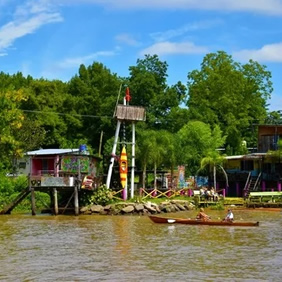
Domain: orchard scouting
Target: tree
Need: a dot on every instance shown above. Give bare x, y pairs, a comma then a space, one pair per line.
30, 135
196, 140
159, 141
154, 148
214, 160
11, 119
277, 154
229, 94
144, 148
45, 105
274, 117
93, 94
148, 86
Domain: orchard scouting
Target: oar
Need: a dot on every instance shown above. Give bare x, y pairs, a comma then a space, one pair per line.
171, 220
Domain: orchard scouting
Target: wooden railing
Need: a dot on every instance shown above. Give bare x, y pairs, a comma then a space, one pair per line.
167, 193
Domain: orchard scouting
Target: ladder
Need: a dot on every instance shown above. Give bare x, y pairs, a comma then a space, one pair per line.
252, 184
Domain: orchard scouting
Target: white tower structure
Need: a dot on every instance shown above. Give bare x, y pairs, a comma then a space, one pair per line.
127, 114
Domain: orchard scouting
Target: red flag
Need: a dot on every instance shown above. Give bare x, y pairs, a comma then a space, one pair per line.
127, 95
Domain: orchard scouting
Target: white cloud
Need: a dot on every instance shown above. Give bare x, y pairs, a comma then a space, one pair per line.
166, 35
126, 38
261, 6
76, 61
170, 48
268, 53
30, 7
27, 19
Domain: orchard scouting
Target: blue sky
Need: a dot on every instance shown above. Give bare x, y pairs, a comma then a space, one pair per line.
51, 38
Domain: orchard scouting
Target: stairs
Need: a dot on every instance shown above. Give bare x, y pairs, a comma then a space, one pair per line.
252, 184
20, 197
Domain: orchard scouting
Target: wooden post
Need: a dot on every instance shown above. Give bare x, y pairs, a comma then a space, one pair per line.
55, 199
33, 209
76, 204
51, 200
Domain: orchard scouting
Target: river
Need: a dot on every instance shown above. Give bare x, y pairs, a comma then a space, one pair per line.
132, 248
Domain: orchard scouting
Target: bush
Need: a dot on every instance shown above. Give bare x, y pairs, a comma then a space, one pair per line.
219, 206
11, 187
101, 196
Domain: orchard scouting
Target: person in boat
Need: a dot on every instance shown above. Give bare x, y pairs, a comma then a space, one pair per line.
202, 216
229, 216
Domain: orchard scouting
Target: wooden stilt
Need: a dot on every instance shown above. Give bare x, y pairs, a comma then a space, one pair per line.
33, 209
51, 200
76, 204
55, 199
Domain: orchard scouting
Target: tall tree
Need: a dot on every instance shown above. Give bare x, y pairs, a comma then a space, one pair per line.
94, 94
229, 94
11, 118
45, 105
148, 85
196, 140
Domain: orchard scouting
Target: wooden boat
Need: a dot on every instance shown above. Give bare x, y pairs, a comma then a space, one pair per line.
158, 219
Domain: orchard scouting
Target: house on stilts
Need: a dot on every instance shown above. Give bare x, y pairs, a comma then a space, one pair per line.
57, 171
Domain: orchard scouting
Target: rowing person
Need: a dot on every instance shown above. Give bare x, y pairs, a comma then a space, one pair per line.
229, 217
202, 216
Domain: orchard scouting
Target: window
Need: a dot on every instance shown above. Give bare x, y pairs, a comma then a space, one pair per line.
247, 165
44, 166
22, 165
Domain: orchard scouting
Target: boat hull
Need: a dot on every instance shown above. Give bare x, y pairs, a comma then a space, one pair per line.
168, 220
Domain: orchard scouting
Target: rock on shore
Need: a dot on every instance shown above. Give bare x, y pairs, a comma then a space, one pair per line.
145, 208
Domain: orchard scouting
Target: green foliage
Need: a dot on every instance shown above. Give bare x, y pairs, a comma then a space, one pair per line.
101, 196
42, 201
148, 86
277, 154
11, 118
196, 140
274, 117
230, 95
6, 190
218, 206
225, 100
10, 187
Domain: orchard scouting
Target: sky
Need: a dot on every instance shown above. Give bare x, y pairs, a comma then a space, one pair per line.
51, 38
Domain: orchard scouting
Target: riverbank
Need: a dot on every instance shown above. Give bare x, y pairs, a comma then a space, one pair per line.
123, 208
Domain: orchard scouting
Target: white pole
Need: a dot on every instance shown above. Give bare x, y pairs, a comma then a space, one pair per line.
113, 154
133, 160
126, 183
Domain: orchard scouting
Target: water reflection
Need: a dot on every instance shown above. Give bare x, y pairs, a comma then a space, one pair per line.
132, 248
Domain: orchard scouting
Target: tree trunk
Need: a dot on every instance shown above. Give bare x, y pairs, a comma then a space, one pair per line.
226, 176
155, 176
144, 177
214, 177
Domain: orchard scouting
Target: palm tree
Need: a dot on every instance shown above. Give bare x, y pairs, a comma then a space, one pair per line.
159, 145
214, 160
143, 152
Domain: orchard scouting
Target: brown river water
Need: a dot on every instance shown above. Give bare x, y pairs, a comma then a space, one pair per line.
132, 248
